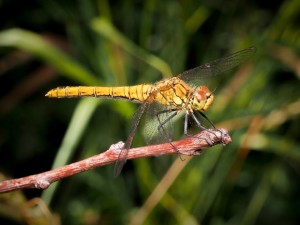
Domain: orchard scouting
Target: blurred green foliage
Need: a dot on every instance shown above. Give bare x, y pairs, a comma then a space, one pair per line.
254, 180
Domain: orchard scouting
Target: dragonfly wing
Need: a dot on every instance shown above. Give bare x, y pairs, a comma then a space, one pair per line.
124, 152
158, 127
217, 66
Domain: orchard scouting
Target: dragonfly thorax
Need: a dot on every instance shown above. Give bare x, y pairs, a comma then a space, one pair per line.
201, 99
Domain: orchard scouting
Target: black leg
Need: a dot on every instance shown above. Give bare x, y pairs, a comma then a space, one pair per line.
202, 114
162, 123
197, 121
185, 129
198, 124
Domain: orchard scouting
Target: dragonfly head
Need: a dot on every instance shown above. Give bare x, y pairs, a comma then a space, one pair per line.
202, 98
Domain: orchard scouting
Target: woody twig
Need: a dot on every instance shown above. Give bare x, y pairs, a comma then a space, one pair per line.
192, 145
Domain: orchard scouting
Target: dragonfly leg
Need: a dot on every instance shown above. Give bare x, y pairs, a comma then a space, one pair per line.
198, 125
162, 123
197, 121
205, 117
211, 123
185, 129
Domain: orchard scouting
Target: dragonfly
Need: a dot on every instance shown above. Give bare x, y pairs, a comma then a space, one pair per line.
163, 100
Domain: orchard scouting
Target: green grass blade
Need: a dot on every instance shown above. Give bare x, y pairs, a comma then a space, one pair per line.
77, 126
37, 46
106, 29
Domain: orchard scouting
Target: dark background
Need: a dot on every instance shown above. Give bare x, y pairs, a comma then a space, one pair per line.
254, 180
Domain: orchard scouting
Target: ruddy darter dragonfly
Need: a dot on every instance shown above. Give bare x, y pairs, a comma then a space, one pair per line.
165, 98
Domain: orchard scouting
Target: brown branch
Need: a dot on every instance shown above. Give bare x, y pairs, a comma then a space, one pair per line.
188, 146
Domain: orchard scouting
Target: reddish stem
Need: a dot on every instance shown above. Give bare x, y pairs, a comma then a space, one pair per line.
188, 146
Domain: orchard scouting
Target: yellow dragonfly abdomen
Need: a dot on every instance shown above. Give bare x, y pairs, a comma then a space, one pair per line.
137, 93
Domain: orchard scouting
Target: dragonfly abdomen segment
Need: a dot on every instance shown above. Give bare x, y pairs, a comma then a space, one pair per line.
137, 93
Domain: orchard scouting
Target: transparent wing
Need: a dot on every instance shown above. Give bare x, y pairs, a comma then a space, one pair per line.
124, 152
158, 124
217, 66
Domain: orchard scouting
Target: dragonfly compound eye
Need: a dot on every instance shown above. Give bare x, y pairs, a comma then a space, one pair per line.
202, 98
198, 99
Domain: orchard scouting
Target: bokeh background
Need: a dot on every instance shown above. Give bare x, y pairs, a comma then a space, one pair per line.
45, 44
